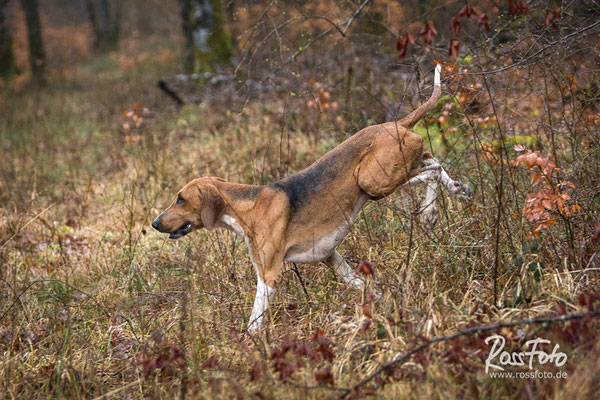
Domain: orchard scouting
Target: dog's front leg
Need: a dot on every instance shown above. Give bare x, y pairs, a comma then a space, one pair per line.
264, 296
268, 262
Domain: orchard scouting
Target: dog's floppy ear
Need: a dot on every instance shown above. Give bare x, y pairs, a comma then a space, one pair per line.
212, 206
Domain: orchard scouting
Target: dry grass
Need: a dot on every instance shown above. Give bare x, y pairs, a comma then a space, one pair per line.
94, 302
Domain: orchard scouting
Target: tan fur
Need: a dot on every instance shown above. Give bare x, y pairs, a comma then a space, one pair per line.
304, 217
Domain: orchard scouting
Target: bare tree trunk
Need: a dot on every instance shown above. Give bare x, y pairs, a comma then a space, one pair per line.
8, 66
37, 55
208, 43
105, 20
188, 57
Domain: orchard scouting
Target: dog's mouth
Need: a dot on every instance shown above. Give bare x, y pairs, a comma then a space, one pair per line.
182, 230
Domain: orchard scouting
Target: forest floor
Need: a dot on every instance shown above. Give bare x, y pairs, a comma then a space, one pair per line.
93, 301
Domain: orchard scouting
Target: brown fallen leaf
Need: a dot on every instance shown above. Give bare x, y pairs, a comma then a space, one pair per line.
596, 236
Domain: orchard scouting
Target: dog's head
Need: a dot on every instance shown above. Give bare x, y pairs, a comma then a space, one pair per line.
198, 205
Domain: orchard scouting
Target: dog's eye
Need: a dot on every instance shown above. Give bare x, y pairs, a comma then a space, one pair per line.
180, 200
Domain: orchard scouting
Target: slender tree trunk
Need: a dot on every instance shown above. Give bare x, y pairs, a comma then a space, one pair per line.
105, 20
37, 55
208, 43
188, 56
8, 66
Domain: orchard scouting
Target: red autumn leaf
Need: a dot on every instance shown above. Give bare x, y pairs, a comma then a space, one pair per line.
455, 25
303, 349
325, 349
428, 32
365, 326
365, 268
483, 21
366, 310
318, 336
547, 204
325, 376
255, 371
211, 362
588, 299
548, 19
453, 48
552, 16
467, 11
285, 370
596, 236
402, 47
402, 44
518, 7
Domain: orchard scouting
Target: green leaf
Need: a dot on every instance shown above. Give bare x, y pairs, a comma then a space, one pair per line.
536, 268
533, 245
381, 332
519, 261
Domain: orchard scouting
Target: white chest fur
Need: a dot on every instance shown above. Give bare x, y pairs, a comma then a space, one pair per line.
232, 224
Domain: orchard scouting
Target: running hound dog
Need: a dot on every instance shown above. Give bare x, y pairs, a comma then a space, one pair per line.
304, 217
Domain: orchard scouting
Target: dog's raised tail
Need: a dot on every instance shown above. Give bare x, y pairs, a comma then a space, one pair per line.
411, 119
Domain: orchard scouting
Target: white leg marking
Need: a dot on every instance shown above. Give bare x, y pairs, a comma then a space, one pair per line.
424, 177
432, 175
433, 171
454, 187
343, 270
429, 213
264, 295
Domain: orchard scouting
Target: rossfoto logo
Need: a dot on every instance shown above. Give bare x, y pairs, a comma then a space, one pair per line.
498, 359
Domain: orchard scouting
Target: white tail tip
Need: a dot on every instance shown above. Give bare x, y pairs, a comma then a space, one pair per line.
437, 78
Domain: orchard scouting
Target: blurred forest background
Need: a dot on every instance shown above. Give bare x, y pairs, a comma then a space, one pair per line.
107, 108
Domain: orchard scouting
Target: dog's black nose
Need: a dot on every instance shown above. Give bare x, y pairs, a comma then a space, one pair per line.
156, 224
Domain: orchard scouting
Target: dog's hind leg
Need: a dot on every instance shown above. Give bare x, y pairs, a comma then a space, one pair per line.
343, 270
429, 212
454, 187
430, 163
432, 174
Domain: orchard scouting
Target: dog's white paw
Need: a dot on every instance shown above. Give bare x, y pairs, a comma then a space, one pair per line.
458, 189
429, 218
254, 327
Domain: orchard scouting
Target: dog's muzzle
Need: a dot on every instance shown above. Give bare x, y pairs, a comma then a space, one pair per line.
177, 233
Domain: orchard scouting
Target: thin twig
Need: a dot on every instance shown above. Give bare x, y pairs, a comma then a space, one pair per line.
358, 10
117, 390
295, 269
25, 226
540, 51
